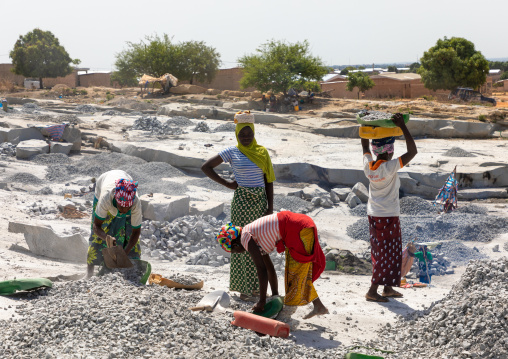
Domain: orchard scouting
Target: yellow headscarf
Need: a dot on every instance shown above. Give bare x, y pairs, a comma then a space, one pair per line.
256, 153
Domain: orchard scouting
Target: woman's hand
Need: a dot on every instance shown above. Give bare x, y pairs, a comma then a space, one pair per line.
398, 120
232, 185
259, 306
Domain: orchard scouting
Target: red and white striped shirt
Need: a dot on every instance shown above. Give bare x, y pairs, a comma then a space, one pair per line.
264, 231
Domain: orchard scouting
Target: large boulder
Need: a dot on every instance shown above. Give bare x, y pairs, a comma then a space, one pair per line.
47, 241
29, 148
339, 194
312, 191
352, 200
60, 147
206, 208
361, 192
72, 135
162, 207
187, 89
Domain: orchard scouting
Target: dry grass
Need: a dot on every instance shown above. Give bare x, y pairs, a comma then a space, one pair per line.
6, 86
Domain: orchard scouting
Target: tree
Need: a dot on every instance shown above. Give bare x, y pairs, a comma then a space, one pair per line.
392, 69
453, 63
344, 71
504, 76
280, 66
414, 67
196, 61
360, 80
38, 54
156, 56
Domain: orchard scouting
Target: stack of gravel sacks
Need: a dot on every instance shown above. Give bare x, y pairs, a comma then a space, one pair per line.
114, 317
470, 322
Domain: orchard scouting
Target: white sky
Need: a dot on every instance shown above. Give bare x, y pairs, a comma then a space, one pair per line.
341, 33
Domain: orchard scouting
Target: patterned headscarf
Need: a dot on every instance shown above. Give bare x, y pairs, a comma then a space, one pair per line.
383, 145
125, 192
227, 234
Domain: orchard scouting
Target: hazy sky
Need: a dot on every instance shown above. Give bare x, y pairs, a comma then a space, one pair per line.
353, 32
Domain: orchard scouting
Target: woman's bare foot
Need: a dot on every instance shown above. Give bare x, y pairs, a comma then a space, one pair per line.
390, 292
375, 297
319, 309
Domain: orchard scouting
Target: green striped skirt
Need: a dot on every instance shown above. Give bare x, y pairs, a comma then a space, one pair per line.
249, 204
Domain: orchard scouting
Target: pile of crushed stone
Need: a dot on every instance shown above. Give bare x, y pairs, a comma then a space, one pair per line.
155, 127
148, 174
468, 223
458, 152
30, 107
410, 205
374, 115
113, 317
51, 159
86, 109
26, 178
201, 127
470, 322
225, 127
72, 119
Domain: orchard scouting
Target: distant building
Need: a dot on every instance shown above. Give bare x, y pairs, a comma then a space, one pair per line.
495, 74
392, 85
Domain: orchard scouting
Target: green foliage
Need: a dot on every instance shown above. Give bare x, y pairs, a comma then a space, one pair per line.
194, 60
504, 75
482, 118
429, 97
344, 71
392, 69
361, 67
38, 54
503, 66
360, 80
109, 96
156, 56
313, 86
279, 66
414, 67
453, 63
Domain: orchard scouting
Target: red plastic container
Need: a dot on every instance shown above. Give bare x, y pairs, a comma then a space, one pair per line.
260, 324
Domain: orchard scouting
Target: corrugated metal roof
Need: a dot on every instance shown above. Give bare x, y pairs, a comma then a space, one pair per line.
401, 77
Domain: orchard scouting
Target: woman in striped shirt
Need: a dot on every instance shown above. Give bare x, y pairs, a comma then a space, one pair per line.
253, 198
294, 233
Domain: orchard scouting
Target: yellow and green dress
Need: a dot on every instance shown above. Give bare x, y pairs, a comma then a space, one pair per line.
250, 165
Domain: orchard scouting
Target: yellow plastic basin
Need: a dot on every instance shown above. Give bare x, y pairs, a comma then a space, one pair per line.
374, 133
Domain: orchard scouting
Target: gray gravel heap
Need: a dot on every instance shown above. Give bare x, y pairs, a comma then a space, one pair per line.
73, 119
470, 322
291, 203
468, 223
30, 107
51, 159
181, 237
184, 279
113, 317
155, 127
411, 205
201, 127
7, 149
225, 127
86, 109
148, 174
458, 152
374, 115
111, 113
26, 178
